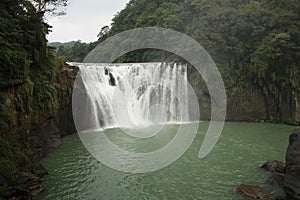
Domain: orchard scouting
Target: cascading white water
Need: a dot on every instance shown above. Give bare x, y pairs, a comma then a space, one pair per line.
140, 94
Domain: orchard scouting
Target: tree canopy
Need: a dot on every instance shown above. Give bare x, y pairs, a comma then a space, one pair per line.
253, 42
30, 89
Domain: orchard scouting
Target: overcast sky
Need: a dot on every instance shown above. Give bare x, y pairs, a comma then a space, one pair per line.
84, 19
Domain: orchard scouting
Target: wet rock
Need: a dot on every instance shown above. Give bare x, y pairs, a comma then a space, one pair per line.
274, 166
106, 71
66, 123
35, 193
112, 80
30, 177
46, 138
276, 179
253, 191
33, 184
292, 178
40, 170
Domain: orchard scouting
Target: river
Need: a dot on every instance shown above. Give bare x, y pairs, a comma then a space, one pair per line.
75, 174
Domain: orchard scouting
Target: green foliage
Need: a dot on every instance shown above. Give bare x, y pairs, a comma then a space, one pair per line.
29, 85
58, 44
13, 158
254, 43
47, 98
53, 7
77, 51
22, 39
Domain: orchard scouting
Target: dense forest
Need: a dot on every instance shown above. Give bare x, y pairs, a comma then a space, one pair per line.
254, 43
33, 87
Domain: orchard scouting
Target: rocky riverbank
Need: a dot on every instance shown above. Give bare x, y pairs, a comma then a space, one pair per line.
292, 177
284, 174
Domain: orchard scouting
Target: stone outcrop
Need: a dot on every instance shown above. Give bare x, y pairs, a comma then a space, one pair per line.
277, 170
46, 138
292, 178
33, 182
112, 80
248, 104
276, 179
253, 191
274, 166
64, 117
66, 124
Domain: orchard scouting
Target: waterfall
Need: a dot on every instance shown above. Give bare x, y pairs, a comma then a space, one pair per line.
131, 95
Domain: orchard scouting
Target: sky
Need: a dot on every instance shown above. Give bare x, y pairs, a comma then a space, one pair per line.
83, 20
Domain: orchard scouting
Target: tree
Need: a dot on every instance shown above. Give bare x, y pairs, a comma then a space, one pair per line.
104, 30
52, 7
254, 43
275, 69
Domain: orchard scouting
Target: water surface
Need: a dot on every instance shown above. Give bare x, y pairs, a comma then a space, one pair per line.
75, 174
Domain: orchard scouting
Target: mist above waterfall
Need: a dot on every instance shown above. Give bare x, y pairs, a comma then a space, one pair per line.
131, 95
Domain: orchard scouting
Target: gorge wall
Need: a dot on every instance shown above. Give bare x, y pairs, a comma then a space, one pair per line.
34, 114
251, 105
247, 103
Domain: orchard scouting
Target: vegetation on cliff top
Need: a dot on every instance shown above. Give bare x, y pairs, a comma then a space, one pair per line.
254, 43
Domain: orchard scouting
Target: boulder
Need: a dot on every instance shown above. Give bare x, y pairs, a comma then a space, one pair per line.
112, 80
274, 166
276, 179
253, 191
292, 178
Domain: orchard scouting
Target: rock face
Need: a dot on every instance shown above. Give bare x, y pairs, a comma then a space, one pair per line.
112, 80
297, 102
292, 178
46, 138
253, 191
248, 105
274, 166
65, 120
46, 135
33, 118
276, 179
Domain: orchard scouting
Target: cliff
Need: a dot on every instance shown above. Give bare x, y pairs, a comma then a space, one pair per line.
292, 178
247, 103
34, 114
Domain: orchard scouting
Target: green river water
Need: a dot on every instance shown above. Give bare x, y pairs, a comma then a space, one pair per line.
241, 149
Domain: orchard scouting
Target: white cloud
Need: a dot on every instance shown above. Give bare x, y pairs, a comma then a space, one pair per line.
84, 19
